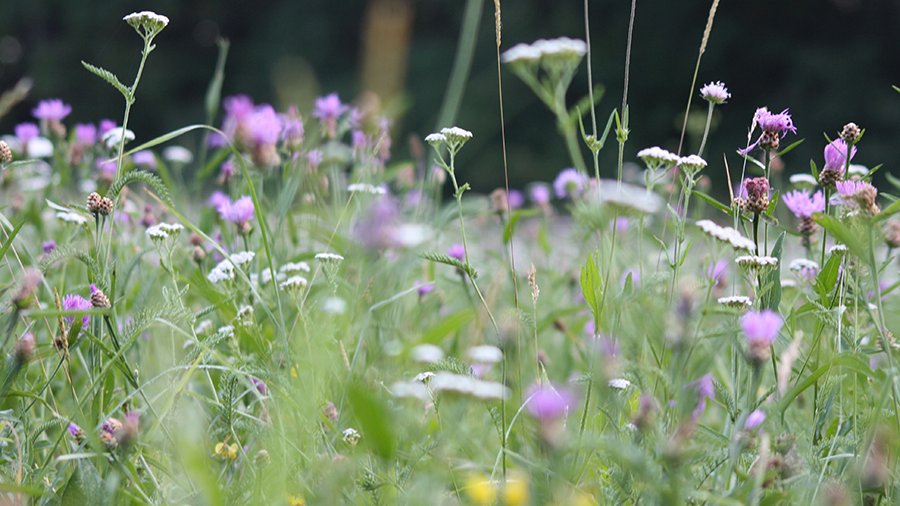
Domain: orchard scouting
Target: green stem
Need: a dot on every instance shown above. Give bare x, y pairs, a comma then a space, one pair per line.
706, 129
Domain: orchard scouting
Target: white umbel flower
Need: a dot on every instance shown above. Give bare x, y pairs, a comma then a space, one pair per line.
223, 271
656, 157
521, 53
112, 138
692, 163
294, 283
366, 188
753, 262
447, 382
485, 354
72, 217
427, 353
242, 257
726, 234
149, 19
736, 301
562, 46
329, 257
803, 180
838, 249
802, 265
294, 267
619, 383
435, 139
177, 154
351, 436
456, 135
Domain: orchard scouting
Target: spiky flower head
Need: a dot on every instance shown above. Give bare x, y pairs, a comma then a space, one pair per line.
548, 403
757, 199
74, 302
568, 183
804, 205
98, 298
52, 109
6, 154
773, 126
715, 92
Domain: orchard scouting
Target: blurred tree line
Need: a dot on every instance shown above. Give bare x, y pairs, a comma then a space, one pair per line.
829, 61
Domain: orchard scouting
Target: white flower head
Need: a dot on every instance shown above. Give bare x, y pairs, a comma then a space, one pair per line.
802, 265
177, 154
756, 262
727, 235
456, 135
427, 353
658, 158
151, 22
561, 47
366, 188
40, 147
715, 92
521, 53
156, 233
294, 283
242, 257
223, 271
629, 197
803, 180
736, 301
619, 383
72, 217
838, 249
435, 139
329, 258
294, 267
447, 382
113, 137
857, 170
485, 354
334, 305
424, 377
351, 436
203, 328
410, 389
692, 164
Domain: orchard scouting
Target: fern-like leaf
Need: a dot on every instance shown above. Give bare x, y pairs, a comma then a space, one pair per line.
444, 259
64, 252
140, 176
110, 78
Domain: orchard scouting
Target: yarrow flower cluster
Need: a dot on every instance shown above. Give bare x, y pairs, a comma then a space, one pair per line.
147, 23
804, 268
162, 231
736, 301
656, 158
564, 47
756, 262
692, 164
726, 234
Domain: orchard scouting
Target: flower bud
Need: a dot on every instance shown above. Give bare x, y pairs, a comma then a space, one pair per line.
850, 133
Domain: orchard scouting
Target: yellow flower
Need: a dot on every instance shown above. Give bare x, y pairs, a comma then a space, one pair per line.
294, 374
296, 500
515, 493
226, 451
481, 490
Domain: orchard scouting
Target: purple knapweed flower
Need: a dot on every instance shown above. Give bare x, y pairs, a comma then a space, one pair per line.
75, 431
761, 326
515, 199
27, 131
425, 288
328, 109
292, 127
85, 134
51, 110
218, 199
568, 183
107, 169
754, 420
718, 272
457, 251
547, 403
238, 212
706, 390
105, 126
314, 159
836, 155
851, 187
802, 204
263, 126
359, 141
540, 194
774, 127
49, 246
144, 158
74, 302
260, 385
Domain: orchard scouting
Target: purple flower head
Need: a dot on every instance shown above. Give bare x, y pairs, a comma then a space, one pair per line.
144, 158
377, 229
706, 390
761, 327
260, 385
718, 272
755, 419
850, 187
51, 110
836, 155
263, 126
105, 126
355, 118
568, 183
457, 251
314, 159
547, 403
425, 289
218, 199
780, 123
715, 92
621, 224
74, 302
328, 109
516, 199
49, 246
27, 131
238, 107
85, 134
107, 168
359, 140
540, 194
75, 431
226, 170
292, 125
802, 204
238, 212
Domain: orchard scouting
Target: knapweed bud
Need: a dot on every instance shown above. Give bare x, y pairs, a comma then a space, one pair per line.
769, 141
499, 201
757, 200
30, 281
330, 411
892, 233
106, 206
25, 348
199, 254
850, 133
6, 155
75, 431
98, 298
109, 431
94, 201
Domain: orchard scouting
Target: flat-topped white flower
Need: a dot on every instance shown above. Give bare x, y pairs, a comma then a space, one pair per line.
113, 137
334, 305
804, 180
294, 283
266, 275
203, 328
151, 18
40, 147
692, 163
736, 301
756, 261
456, 135
294, 267
619, 383
521, 53
447, 382
804, 266
435, 139
427, 353
351, 436
561, 46
329, 257
72, 217
177, 154
656, 157
628, 197
788, 283
156, 233
857, 170
726, 234
424, 377
410, 389
223, 271
171, 228
366, 188
838, 249
226, 331
242, 257
485, 354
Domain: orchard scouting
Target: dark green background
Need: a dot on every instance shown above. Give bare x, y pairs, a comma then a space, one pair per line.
829, 61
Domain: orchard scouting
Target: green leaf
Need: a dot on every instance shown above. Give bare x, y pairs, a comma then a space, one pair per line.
374, 420
84, 486
592, 285
790, 147
813, 169
9, 240
110, 78
827, 278
214, 92
849, 234
514, 218
846, 360
885, 213
713, 202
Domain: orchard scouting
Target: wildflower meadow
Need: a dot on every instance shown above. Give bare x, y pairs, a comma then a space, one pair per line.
286, 313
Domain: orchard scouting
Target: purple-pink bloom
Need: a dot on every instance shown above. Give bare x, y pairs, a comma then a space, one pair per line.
425, 288
777, 125
107, 168
515, 199
457, 251
802, 204
74, 302
718, 272
292, 125
706, 390
51, 110
547, 403
260, 385
761, 327
49, 246
75, 431
836, 155
359, 140
144, 158
328, 109
85, 134
263, 126
314, 159
238, 212
755, 419
105, 126
218, 199
540, 194
568, 183
27, 131
850, 187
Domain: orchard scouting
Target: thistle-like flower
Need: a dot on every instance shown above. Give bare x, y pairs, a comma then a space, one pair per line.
761, 329
774, 128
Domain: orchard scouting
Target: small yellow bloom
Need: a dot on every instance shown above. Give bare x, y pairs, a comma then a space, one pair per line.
294, 374
226, 451
481, 490
296, 500
515, 493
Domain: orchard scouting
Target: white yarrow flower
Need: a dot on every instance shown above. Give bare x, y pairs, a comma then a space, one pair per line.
294, 283
427, 353
619, 383
435, 139
804, 180
656, 157
329, 257
151, 18
72, 217
456, 135
294, 267
242, 257
524, 53
485, 354
366, 188
177, 154
113, 137
692, 163
736, 301
756, 261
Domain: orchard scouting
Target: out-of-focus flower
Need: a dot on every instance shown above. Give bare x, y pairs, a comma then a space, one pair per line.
85, 134
754, 420
239, 212
457, 251
658, 158
328, 109
802, 204
74, 302
144, 158
568, 183
761, 329
547, 403
706, 390
52, 109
